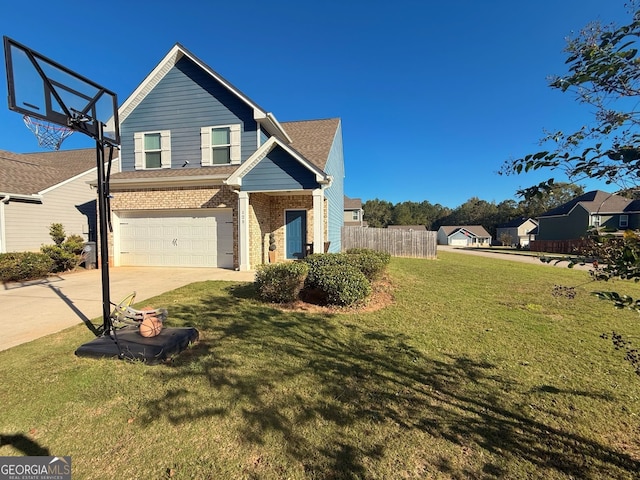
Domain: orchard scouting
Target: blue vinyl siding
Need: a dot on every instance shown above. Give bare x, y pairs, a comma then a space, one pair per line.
335, 193
279, 171
185, 100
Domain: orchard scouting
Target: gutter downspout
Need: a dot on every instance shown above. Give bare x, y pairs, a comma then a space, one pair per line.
3, 237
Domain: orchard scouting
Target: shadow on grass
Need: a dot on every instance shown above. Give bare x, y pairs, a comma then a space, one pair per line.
325, 386
24, 444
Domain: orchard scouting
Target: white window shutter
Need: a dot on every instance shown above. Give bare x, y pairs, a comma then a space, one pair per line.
234, 134
138, 150
205, 146
165, 142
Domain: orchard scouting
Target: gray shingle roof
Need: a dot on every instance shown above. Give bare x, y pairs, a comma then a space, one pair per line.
31, 173
477, 230
352, 203
313, 138
595, 201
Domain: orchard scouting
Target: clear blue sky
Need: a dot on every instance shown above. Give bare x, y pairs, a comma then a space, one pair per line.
433, 95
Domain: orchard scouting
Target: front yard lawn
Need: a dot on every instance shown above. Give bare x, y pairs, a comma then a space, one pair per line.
476, 370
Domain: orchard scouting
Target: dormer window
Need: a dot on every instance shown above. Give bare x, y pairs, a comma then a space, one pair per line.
220, 145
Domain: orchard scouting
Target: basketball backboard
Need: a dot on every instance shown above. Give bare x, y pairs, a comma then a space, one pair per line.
41, 88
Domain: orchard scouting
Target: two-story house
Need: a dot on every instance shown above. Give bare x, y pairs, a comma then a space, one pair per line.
207, 175
564, 227
519, 231
353, 213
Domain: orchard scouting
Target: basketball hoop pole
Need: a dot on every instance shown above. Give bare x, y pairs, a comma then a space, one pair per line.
103, 231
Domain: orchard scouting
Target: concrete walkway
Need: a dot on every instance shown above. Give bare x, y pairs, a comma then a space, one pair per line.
34, 309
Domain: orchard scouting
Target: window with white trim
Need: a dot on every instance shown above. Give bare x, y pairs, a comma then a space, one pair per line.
152, 149
595, 221
220, 145
623, 221
356, 215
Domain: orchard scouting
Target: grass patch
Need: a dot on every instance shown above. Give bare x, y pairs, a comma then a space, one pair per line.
475, 371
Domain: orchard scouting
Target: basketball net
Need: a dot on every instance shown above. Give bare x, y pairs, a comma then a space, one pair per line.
49, 135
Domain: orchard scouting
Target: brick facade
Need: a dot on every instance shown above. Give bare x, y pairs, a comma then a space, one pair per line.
266, 213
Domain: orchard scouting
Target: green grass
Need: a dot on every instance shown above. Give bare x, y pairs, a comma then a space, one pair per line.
475, 371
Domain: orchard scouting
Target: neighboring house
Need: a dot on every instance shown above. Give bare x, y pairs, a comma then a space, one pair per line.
38, 189
571, 221
207, 175
464, 236
353, 213
519, 231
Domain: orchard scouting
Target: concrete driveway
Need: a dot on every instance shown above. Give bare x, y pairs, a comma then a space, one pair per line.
34, 309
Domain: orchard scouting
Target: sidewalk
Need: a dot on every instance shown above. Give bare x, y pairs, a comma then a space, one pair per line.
34, 309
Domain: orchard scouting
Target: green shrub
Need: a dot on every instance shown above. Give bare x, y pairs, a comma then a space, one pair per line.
20, 266
370, 262
317, 261
281, 282
66, 253
342, 284
63, 260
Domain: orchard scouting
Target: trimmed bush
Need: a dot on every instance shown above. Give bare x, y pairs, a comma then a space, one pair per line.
317, 261
342, 284
65, 253
20, 266
281, 282
370, 262
62, 258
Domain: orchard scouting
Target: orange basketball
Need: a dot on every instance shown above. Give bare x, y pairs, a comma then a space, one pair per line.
150, 326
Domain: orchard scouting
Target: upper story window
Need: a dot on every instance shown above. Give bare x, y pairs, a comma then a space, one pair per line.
152, 149
220, 145
356, 215
624, 221
595, 221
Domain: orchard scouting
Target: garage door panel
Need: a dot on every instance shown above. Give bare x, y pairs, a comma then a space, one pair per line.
173, 238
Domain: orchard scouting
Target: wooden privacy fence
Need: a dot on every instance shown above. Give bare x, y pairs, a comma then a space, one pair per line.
396, 242
557, 246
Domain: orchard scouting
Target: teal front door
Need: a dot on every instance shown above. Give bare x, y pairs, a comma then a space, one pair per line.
295, 231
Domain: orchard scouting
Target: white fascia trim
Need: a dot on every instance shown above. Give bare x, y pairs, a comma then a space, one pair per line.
235, 179
33, 197
69, 180
268, 120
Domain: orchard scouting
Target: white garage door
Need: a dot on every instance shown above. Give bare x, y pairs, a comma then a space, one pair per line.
459, 242
193, 238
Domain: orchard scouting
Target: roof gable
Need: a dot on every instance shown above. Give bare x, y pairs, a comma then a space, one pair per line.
475, 230
235, 179
516, 222
266, 119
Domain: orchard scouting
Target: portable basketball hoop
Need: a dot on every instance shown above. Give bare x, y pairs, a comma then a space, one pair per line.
49, 135
55, 102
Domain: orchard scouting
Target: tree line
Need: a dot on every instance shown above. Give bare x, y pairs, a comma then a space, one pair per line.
475, 211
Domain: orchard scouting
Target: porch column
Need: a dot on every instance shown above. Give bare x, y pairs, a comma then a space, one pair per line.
318, 221
243, 231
